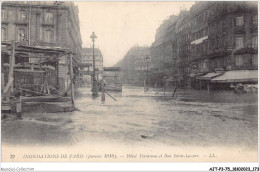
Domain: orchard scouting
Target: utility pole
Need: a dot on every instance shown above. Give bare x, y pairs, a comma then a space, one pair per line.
94, 86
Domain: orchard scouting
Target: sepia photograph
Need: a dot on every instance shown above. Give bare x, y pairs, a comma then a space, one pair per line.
100, 81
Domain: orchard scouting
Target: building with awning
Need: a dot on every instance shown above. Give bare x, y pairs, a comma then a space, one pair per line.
237, 76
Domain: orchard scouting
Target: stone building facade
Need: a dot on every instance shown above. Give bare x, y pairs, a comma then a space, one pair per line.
224, 37
210, 37
43, 24
233, 38
163, 51
183, 47
142, 66
199, 14
134, 66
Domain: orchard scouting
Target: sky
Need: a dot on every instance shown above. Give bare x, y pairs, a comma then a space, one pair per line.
122, 25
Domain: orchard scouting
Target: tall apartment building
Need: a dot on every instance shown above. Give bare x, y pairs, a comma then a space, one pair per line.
134, 65
163, 51
43, 24
142, 65
214, 37
199, 15
233, 37
224, 37
183, 47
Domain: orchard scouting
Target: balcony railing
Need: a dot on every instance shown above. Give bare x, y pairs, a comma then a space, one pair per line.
203, 70
218, 52
48, 44
23, 43
246, 50
21, 22
196, 56
48, 22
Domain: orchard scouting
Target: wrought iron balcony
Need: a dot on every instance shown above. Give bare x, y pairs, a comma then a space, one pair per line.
246, 50
219, 52
48, 44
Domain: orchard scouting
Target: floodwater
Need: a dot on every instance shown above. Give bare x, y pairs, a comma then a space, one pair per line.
191, 117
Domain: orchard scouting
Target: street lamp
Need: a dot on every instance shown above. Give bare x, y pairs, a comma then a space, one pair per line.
94, 86
147, 67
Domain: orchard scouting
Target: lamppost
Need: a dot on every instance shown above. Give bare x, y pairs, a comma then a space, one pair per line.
94, 86
147, 67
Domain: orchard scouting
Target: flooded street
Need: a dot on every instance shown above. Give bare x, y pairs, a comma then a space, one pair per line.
192, 118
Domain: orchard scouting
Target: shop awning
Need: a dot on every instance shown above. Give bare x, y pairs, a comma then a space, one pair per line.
237, 76
200, 40
209, 76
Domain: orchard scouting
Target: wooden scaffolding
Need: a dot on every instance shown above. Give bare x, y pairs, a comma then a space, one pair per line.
38, 81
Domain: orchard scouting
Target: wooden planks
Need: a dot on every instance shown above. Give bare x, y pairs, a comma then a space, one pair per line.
11, 70
49, 98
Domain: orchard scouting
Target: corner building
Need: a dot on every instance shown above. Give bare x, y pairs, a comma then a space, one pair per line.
43, 24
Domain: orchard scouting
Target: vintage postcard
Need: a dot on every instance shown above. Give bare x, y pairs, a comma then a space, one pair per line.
94, 81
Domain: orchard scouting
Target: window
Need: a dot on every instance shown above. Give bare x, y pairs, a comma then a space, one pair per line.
225, 42
255, 19
48, 17
207, 30
219, 42
22, 16
254, 41
21, 34
239, 42
239, 5
205, 47
4, 14
240, 21
48, 35
206, 16
197, 49
218, 27
3, 34
218, 63
239, 60
204, 66
255, 59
